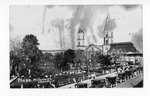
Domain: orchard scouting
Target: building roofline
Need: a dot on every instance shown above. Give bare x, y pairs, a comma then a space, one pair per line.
93, 46
121, 43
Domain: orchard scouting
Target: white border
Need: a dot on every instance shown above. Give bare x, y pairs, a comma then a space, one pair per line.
4, 52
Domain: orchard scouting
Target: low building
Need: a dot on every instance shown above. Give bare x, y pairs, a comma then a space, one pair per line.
120, 52
53, 51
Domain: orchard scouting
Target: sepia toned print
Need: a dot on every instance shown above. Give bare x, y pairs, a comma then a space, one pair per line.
76, 46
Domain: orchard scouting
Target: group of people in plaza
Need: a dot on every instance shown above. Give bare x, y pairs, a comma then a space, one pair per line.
55, 80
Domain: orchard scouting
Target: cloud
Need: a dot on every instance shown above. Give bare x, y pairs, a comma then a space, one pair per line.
85, 16
101, 32
44, 15
130, 7
59, 23
107, 25
110, 25
42, 19
137, 40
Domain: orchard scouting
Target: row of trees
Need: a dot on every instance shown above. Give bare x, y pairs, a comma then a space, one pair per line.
26, 60
78, 59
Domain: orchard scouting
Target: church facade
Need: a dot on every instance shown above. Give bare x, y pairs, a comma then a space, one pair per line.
119, 50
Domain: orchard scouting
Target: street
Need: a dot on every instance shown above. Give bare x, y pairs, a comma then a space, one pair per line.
127, 84
131, 82
88, 81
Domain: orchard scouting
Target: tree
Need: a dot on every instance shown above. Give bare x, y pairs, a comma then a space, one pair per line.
31, 55
15, 52
58, 59
69, 56
48, 62
15, 44
48, 58
79, 58
14, 63
105, 61
62, 60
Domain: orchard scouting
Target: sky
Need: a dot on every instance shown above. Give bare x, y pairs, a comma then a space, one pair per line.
56, 26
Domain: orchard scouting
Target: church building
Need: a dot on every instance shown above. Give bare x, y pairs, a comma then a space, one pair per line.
108, 47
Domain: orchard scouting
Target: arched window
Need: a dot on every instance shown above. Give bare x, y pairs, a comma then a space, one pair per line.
106, 41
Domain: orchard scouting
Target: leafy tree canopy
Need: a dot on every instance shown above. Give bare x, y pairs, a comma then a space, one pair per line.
104, 60
31, 55
58, 59
79, 56
69, 56
62, 60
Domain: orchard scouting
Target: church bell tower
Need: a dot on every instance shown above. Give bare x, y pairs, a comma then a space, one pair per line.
108, 38
80, 39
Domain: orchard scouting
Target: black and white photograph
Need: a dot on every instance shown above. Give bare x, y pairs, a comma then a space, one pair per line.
76, 46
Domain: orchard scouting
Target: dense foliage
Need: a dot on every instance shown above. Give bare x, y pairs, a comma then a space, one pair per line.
28, 60
104, 60
62, 61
